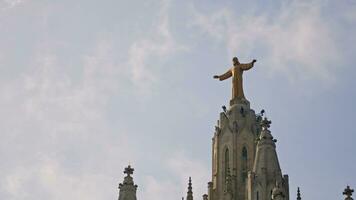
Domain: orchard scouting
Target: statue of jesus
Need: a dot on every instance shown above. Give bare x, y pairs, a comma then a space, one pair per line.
236, 73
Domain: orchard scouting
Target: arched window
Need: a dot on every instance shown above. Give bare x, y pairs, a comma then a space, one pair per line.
244, 153
227, 161
244, 164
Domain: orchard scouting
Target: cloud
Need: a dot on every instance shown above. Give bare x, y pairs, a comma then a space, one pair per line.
183, 166
8, 4
296, 40
180, 166
155, 188
57, 140
155, 46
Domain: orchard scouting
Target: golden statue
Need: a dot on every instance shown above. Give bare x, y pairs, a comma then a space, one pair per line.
236, 72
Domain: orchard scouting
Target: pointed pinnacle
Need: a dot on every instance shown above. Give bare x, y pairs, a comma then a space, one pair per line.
348, 192
190, 191
190, 185
298, 194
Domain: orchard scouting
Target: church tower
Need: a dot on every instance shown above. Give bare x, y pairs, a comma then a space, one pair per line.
243, 150
234, 150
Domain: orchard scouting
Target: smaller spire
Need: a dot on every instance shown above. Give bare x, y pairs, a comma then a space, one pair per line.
298, 194
127, 189
348, 193
190, 190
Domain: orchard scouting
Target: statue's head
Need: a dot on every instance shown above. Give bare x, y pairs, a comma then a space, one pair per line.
235, 61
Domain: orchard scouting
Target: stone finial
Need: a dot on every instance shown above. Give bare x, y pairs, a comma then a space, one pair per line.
298, 194
190, 190
265, 123
348, 193
205, 197
128, 170
224, 108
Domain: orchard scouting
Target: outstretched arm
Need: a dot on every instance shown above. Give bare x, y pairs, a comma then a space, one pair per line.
222, 77
247, 66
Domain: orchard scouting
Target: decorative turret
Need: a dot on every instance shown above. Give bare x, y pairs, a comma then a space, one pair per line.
348, 193
265, 181
190, 190
128, 188
266, 156
298, 195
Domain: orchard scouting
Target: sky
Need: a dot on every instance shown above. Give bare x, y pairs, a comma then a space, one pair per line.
88, 87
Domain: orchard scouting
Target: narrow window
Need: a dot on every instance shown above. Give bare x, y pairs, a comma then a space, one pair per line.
244, 153
244, 164
227, 157
257, 196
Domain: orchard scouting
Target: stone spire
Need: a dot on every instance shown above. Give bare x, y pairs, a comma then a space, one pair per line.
127, 189
298, 195
266, 178
190, 190
266, 156
348, 193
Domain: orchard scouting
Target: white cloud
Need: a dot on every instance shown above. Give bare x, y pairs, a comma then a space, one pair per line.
155, 188
155, 46
296, 39
180, 166
183, 166
57, 142
7, 4
47, 180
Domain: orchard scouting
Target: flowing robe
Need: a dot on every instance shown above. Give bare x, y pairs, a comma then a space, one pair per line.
236, 73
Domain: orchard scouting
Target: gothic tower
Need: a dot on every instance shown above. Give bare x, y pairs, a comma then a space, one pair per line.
234, 149
244, 161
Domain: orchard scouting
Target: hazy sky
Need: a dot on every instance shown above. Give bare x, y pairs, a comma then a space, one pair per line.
87, 87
